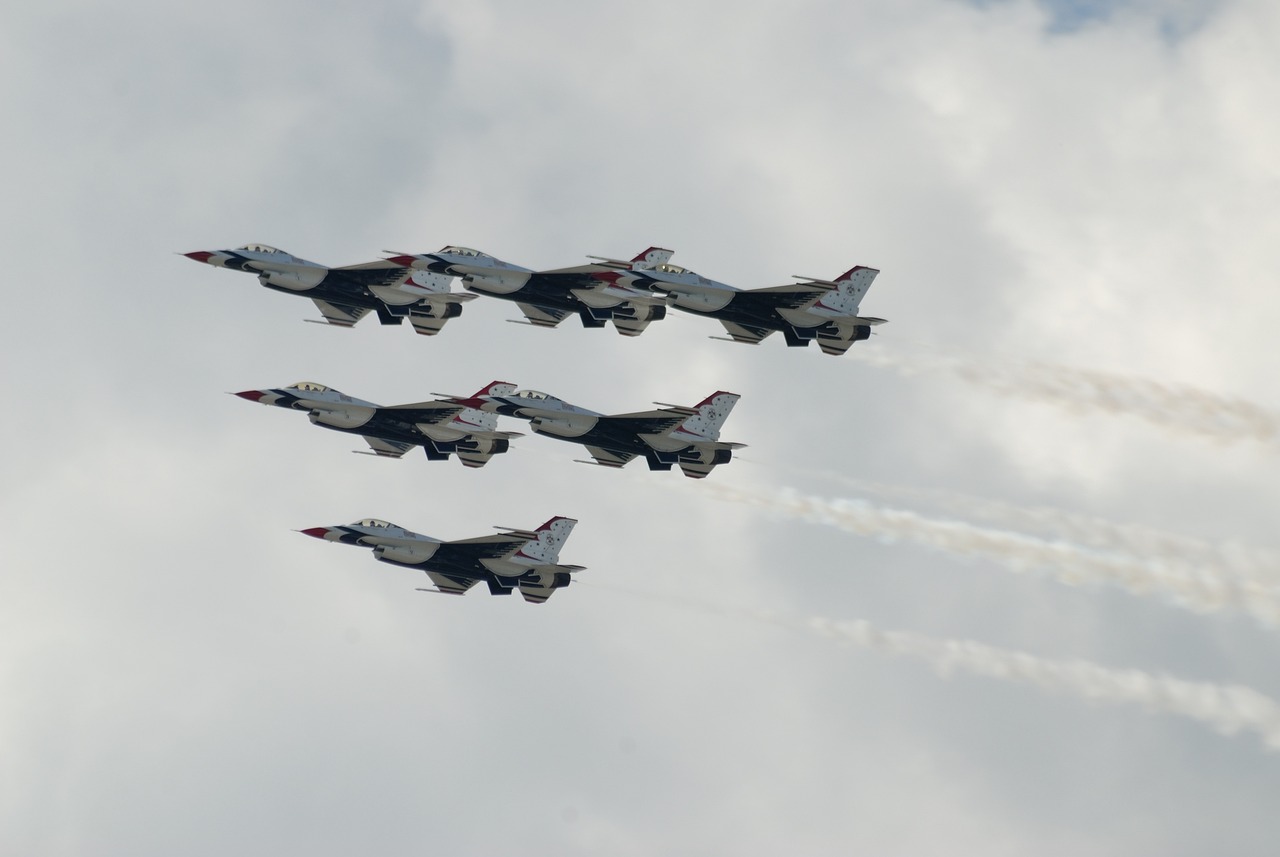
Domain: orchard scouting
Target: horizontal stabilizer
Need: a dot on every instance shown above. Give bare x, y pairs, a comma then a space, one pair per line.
513, 531
816, 281
679, 409
606, 262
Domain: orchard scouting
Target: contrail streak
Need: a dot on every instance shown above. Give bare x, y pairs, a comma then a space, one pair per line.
1232, 558
1227, 708
1170, 406
1197, 588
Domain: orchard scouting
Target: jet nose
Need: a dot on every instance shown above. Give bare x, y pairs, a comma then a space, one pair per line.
199, 255
316, 532
252, 395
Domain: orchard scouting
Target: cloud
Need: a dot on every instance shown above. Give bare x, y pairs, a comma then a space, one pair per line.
190, 671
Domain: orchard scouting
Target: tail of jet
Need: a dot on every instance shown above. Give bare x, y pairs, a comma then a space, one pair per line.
483, 440
709, 415
550, 537
471, 417
849, 290
652, 257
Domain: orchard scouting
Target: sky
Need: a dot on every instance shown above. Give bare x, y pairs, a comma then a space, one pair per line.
1000, 580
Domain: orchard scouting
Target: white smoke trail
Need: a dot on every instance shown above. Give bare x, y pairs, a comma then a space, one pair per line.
1229, 709
1231, 558
1194, 587
1177, 407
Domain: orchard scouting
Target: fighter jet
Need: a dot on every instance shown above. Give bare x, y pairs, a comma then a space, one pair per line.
346, 295
689, 437
509, 559
813, 309
597, 293
441, 428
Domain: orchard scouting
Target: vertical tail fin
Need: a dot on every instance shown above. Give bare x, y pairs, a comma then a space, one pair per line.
652, 257
849, 290
474, 418
495, 388
711, 414
551, 537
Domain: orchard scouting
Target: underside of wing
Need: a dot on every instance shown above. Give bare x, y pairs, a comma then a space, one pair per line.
379, 273
454, 584
648, 422
387, 448
338, 314
543, 317
425, 412
500, 543
608, 458
746, 333
779, 297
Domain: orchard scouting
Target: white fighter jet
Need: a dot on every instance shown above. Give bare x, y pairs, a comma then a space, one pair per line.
825, 311
505, 561
689, 437
441, 428
346, 295
597, 293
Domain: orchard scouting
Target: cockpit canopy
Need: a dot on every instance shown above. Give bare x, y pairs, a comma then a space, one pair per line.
309, 387
671, 269
454, 250
534, 396
376, 524
262, 248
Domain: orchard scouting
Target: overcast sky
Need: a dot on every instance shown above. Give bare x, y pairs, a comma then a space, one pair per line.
1050, 189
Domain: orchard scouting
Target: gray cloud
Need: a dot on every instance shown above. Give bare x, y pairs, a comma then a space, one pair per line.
186, 673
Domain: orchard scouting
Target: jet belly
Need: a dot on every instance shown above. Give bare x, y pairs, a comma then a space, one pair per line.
405, 551
611, 436
349, 418
494, 282
297, 280
566, 426
704, 301
342, 295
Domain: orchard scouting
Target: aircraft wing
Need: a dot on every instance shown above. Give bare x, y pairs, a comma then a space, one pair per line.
578, 270
543, 317
339, 315
795, 296
500, 544
608, 458
648, 422
380, 273
387, 448
454, 584
425, 412
745, 333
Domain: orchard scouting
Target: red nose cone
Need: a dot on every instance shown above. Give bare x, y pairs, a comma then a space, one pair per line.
316, 532
251, 395
404, 261
199, 255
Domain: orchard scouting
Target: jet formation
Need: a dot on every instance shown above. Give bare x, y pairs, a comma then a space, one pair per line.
630, 294
466, 426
